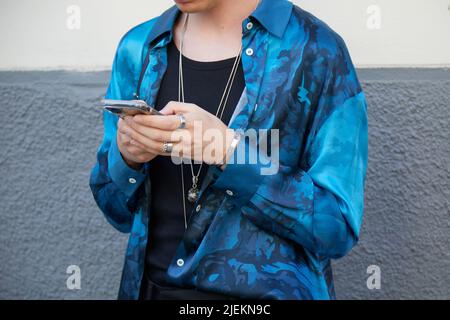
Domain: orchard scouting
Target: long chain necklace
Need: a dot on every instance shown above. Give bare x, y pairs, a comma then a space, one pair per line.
193, 192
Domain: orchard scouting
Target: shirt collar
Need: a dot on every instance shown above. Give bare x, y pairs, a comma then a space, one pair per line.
271, 14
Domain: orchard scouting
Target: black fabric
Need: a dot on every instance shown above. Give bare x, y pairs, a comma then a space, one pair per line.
153, 291
204, 83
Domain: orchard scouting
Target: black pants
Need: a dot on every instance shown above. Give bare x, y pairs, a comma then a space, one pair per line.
152, 291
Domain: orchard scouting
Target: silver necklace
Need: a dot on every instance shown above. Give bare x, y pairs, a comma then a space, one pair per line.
193, 192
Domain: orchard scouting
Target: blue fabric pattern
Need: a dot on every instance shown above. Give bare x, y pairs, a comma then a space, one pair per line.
272, 236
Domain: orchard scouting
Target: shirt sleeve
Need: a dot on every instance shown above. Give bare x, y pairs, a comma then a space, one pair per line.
127, 179
319, 204
114, 185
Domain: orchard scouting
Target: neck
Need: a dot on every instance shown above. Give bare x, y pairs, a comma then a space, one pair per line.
214, 33
223, 15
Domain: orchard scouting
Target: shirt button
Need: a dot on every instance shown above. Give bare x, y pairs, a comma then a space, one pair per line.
249, 25
197, 209
229, 192
249, 51
180, 262
132, 180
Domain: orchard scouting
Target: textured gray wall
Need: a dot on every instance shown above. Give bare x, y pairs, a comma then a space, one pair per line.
50, 131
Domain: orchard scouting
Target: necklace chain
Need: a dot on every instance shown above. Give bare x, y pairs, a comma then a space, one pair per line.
221, 108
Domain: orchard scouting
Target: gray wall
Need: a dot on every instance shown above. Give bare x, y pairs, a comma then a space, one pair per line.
50, 131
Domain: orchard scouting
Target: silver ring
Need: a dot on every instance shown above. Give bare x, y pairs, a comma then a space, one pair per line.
182, 121
167, 147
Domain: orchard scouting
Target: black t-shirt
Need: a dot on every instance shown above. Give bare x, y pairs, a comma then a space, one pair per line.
204, 84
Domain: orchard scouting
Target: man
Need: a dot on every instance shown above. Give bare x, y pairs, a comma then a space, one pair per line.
222, 228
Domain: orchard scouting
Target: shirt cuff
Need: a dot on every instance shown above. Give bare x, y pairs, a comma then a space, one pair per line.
127, 179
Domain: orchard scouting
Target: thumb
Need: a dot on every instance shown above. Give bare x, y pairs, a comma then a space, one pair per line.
174, 107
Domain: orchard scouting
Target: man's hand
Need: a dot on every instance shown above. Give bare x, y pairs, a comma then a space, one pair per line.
204, 138
132, 154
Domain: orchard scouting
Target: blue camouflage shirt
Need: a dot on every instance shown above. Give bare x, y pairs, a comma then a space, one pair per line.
253, 235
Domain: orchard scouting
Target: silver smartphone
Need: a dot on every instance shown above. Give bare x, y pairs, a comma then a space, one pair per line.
124, 108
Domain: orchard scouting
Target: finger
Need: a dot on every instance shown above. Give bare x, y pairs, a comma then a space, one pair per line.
139, 149
184, 150
122, 139
175, 107
120, 123
158, 148
153, 133
136, 149
150, 145
139, 155
168, 123
130, 147
187, 148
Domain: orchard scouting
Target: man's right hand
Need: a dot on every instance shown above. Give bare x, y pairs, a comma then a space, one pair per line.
133, 155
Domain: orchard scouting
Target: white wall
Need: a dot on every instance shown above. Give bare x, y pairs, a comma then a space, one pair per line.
34, 34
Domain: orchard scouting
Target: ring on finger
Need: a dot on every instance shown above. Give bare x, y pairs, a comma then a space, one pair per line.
182, 121
167, 147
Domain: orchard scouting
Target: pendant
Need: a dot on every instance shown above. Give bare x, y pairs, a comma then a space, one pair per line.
193, 194
193, 191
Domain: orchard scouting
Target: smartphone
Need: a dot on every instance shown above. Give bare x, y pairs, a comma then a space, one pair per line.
124, 108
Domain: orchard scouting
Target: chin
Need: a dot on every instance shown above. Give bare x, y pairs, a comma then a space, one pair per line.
192, 6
